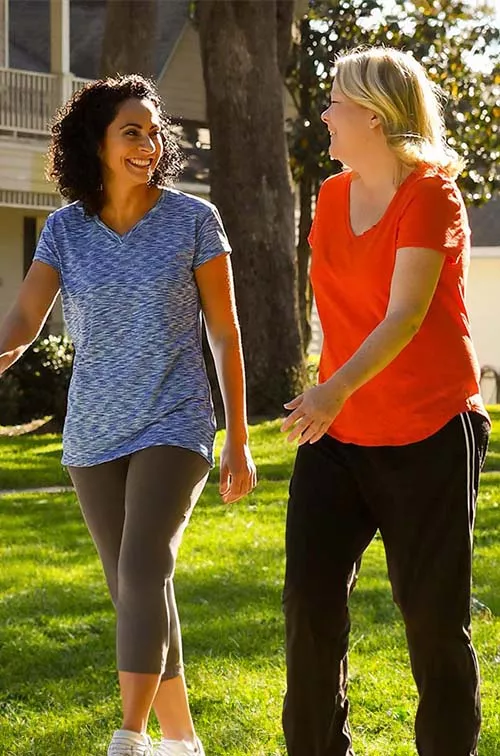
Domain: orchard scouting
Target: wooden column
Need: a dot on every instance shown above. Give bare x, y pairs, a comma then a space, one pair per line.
4, 33
60, 46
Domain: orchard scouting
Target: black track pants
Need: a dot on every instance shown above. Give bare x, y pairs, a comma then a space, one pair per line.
422, 498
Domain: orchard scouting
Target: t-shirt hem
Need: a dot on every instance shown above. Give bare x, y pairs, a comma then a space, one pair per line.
74, 461
411, 438
211, 256
42, 258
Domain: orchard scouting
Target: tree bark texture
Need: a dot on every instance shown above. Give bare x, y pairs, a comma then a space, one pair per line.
130, 37
306, 79
243, 44
303, 258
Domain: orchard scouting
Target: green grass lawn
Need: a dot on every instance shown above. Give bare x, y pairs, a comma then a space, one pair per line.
58, 692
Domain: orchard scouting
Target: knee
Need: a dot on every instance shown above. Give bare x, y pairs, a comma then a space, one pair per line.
426, 628
323, 614
143, 581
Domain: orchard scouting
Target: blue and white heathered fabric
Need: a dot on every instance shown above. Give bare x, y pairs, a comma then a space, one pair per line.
132, 309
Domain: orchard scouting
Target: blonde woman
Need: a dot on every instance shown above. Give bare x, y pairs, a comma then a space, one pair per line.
394, 436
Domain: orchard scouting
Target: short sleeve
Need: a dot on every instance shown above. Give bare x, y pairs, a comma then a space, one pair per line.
211, 238
313, 233
329, 205
46, 249
435, 218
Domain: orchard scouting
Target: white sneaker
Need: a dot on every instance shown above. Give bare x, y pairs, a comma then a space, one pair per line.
179, 748
128, 743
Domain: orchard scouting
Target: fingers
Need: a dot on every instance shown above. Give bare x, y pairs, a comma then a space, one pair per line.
254, 478
321, 432
224, 480
306, 429
239, 486
293, 403
313, 433
292, 418
300, 428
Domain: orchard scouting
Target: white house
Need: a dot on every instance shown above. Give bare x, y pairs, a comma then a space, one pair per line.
483, 294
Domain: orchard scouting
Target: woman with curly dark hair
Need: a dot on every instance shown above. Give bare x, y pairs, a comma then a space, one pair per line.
136, 264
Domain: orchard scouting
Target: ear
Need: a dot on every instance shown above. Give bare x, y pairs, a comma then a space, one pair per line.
374, 120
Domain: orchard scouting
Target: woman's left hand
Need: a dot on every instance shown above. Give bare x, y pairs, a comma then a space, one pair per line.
238, 475
313, 412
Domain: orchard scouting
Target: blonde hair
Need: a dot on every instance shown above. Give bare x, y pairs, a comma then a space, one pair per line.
396, 87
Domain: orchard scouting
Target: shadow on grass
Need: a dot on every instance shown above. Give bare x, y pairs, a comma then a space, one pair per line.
31, 462
50, 632
56, 630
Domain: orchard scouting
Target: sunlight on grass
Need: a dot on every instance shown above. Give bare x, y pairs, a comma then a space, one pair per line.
58, 692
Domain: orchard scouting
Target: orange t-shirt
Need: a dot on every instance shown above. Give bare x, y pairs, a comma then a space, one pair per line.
436, 376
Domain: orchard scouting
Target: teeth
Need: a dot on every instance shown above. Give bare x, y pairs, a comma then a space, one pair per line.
140, 163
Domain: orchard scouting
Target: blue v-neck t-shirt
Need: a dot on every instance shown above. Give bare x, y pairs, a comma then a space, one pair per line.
132, 309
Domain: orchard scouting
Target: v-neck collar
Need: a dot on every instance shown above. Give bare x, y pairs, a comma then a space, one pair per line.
121, 238
415, 173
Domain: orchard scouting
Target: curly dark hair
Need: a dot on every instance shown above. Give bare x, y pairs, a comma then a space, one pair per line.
78, 129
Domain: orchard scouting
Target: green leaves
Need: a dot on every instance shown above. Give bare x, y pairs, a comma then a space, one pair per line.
457, 44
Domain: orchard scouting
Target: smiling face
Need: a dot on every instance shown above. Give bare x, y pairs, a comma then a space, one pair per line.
132, 146
353, 129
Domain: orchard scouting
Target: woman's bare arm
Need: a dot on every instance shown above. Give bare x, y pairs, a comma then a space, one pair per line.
215, 284
29, 312
415, 278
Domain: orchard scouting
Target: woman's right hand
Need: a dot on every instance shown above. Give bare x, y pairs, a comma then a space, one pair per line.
29, 312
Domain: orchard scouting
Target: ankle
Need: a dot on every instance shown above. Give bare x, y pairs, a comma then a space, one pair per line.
178, 734
134, 727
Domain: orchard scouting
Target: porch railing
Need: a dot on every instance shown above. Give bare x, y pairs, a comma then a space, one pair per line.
28, 99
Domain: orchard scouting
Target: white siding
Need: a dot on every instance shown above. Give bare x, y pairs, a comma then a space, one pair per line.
181, 82
483, 302
22, 165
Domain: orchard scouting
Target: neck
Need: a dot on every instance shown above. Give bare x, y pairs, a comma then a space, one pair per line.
380, 172
122, 201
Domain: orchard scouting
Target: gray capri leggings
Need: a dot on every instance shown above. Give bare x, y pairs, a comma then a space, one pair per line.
136, 509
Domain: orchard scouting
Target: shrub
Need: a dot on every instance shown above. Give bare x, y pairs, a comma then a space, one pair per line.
37, 385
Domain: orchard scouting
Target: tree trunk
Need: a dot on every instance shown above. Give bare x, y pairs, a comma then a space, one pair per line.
130, 37
303, 257
307, 76
242, 45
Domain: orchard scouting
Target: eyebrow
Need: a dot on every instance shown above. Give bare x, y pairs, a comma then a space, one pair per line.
139, 126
